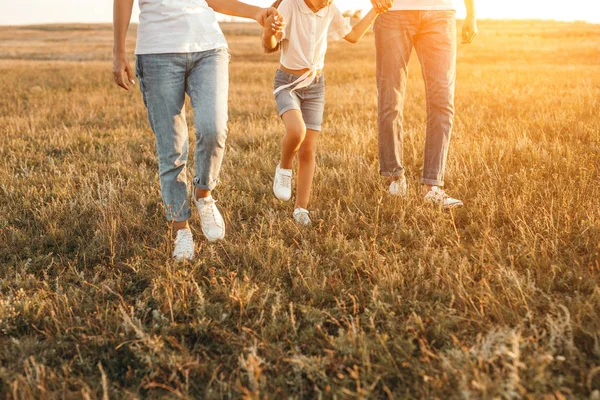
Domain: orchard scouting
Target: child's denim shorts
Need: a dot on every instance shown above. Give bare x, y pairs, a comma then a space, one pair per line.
310, 101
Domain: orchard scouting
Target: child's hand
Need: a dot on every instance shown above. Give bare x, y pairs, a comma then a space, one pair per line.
382, 6
275, 23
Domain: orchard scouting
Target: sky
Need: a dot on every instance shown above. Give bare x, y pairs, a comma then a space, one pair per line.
20, 12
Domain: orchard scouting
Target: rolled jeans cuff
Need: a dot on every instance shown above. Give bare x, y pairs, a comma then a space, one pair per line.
393, 174
181, 216
432, 182
210, 186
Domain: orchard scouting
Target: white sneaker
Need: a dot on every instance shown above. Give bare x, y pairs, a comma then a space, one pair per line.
301, 216
282, 184
213, 225
398, 187
184, 245
437, 196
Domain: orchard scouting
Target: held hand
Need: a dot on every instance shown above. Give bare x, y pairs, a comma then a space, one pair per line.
469, 30
265, 13
274, 23
382, 6
122, 72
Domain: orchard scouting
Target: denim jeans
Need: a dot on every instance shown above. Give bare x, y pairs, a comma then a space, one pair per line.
433, 35
310, 100
164, 80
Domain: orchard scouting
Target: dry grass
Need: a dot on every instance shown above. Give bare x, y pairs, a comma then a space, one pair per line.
382, 298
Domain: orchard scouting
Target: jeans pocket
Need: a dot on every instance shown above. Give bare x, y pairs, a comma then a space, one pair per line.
385, 21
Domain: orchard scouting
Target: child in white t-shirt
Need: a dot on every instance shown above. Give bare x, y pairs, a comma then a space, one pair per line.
299, 84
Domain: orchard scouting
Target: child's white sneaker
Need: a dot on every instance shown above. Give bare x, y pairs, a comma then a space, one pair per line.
301, 216
437, 196
184, 245
213, 225
398, 187
282, 184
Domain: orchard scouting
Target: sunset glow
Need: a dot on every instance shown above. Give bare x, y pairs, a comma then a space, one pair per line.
60, 11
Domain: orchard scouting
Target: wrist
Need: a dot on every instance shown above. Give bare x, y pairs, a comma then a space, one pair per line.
257, 14
119, 52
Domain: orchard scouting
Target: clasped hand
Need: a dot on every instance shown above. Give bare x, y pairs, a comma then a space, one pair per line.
270, 18
382, 6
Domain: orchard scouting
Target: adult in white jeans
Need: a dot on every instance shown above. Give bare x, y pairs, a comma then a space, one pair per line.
428, 26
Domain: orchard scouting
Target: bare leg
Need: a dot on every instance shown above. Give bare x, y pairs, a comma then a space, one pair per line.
391, 179
180, 225
295, 131
202, 194
306, 167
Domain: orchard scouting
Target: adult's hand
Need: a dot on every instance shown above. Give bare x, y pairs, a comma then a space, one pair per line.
382, 6
122, 71
265, 13
469, 30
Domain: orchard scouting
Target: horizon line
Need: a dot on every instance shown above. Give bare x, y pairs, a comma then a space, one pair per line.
244, 21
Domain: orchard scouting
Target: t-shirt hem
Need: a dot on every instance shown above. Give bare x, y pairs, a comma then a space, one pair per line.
417, 8
183, 49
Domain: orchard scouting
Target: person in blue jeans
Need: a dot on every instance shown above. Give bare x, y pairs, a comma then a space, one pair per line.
428, 26
181, 49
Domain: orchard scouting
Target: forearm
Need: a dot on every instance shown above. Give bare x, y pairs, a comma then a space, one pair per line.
359, 30
234, 8
121, 17
269, 39
470, 6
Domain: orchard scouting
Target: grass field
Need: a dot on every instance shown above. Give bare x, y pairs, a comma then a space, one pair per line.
381, 298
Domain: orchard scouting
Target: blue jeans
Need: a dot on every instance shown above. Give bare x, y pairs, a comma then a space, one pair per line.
433, 35
164, 81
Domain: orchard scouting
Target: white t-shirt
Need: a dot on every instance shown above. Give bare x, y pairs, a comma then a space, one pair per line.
305, 36
424, 5
177, 26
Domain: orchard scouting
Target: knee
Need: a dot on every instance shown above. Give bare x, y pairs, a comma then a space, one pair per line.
296, 133
441, 100
391, 106
212, 133
173, 164
172, 156
442, 107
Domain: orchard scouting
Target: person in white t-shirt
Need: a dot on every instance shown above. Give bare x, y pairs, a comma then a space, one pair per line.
181, 49
299, 85
428, 26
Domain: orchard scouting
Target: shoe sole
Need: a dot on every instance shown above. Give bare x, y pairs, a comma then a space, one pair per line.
435, 204
281, 198
453, 206
214, 239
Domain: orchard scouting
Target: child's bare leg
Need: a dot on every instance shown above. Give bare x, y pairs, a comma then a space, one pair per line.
295, 131
306, 167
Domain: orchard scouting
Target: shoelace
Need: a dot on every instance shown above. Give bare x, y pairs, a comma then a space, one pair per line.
439, 194
400, 184
285, 181
208, 211
302, 215
184, 240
